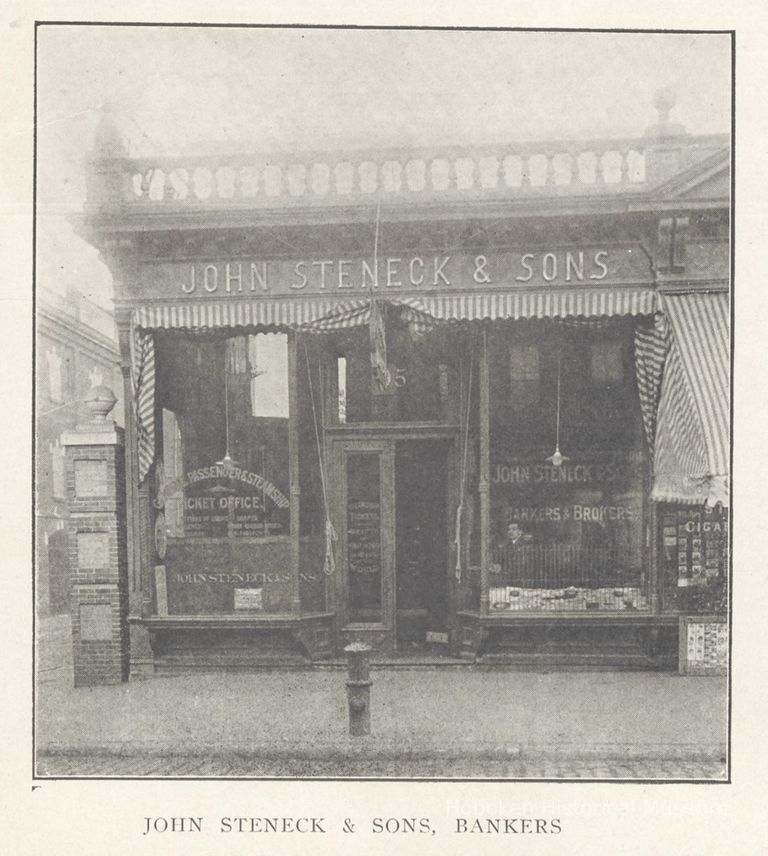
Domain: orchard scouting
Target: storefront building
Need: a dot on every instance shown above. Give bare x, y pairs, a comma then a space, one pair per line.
452, 403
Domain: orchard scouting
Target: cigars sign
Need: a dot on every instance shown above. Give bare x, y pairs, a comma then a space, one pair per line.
434, 271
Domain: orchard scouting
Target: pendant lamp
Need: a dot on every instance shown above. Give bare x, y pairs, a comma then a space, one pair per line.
557, 458
227, 460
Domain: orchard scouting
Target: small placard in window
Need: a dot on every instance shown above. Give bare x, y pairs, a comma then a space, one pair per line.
249, 598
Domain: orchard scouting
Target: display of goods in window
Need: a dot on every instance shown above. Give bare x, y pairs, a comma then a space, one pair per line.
694, 558
568, 537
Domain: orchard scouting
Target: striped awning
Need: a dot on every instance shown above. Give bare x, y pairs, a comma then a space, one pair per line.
329, 313
322, 313
143, 382
691, 460
651, 345
516, 305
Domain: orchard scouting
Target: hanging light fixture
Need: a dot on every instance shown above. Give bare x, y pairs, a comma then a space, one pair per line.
557, 458
227, 460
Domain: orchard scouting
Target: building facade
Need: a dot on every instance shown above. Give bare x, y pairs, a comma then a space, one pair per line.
76, 345
460, 403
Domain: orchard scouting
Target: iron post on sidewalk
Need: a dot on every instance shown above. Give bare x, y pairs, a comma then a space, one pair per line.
359, 688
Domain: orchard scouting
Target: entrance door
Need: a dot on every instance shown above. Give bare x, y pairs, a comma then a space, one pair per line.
365, 515
421, 590
391, 513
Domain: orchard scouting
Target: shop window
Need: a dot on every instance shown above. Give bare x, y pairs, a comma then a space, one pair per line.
693, 547
223, 500
225, 428
565, 536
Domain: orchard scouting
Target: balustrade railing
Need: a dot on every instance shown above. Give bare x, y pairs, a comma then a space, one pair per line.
554, 168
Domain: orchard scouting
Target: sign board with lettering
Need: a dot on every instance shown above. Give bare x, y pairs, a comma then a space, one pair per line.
364, 543
703, 645
222, 500
364, 537
405, 272
249, 598
694, 545
694, 557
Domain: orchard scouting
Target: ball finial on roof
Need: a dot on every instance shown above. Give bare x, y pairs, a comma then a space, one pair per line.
664, 100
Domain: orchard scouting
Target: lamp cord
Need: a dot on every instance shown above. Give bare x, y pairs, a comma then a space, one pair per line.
557, 421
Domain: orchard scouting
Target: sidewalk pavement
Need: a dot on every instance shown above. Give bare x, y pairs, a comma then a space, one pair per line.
294, 722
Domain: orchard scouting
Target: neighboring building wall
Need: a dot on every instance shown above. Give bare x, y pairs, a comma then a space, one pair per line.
75, 349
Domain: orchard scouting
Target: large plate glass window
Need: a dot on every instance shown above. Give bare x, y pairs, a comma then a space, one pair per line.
222, 474
566, 535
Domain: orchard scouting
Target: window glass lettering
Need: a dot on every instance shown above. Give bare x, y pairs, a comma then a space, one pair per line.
221, 480
565, 537
363, 533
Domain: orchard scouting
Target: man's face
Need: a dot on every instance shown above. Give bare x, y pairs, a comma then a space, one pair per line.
514, 531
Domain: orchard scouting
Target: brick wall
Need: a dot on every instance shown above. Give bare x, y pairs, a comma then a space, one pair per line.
97, 556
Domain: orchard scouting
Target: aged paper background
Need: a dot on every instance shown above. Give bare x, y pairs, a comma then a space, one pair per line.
106, 817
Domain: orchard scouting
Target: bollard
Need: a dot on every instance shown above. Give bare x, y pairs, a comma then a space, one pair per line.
359, 688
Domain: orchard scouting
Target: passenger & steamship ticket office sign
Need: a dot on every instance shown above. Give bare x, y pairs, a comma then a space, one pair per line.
425, 271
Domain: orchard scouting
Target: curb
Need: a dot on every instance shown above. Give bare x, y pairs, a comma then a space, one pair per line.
368, 751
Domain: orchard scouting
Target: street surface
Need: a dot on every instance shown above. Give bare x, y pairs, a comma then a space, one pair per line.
426, 722
234, 767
